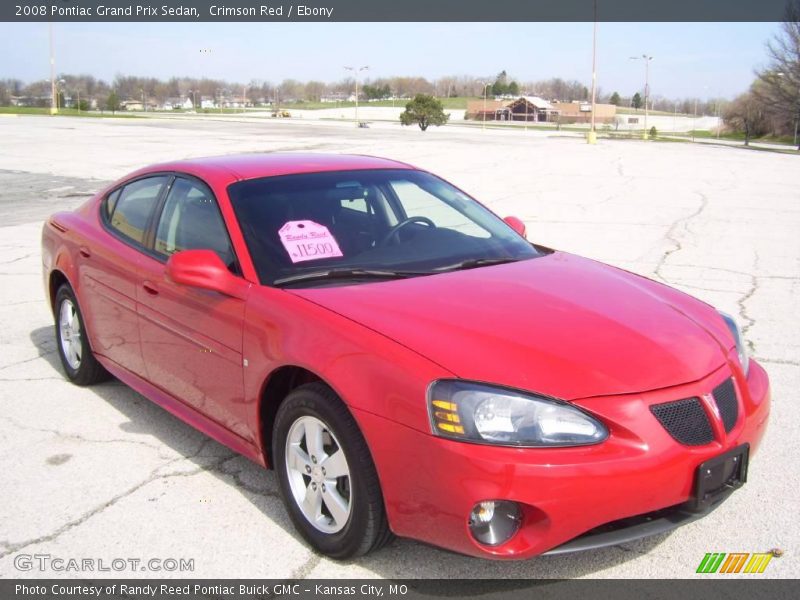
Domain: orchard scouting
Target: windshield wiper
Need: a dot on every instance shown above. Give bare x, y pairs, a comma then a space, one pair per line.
343, 273
473, 263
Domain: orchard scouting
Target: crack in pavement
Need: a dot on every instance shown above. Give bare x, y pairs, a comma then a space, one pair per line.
8, 262
31, 379
77, 437
27, 360
671, 234
780, 361
154, 476
305, 569
741, 303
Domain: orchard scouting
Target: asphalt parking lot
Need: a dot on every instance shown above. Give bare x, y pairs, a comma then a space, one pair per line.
102, 473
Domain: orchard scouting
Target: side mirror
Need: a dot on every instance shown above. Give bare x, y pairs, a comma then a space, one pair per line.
516, 224
205, 269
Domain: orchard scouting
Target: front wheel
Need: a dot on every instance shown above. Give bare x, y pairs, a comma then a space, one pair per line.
80, 364
329, 483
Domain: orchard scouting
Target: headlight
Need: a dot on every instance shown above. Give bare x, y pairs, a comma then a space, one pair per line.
475, 412
741, 348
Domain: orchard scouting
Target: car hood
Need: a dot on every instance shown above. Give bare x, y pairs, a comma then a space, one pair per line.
559, 325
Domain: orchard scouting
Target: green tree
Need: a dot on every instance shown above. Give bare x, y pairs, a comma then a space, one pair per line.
112, 102
513, 88
424, 110
615, 99
636, 101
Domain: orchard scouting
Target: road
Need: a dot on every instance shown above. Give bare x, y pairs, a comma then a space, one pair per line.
102, 473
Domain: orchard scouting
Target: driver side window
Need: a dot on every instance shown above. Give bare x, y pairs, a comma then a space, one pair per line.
420, 203
191, 220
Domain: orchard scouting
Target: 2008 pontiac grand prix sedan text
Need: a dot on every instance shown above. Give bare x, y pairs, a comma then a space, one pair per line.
403, 358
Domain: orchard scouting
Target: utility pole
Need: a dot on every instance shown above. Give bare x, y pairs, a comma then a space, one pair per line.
53, 91
355, 74
592, 137
646, 60
485, 91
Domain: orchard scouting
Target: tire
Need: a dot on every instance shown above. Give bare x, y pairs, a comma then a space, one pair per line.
349, 518
77, 358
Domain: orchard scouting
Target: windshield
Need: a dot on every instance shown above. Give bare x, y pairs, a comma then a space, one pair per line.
365, 225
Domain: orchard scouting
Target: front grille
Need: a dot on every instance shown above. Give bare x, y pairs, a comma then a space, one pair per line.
725, 397
685, 420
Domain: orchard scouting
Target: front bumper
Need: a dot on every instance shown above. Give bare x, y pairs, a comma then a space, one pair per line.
430, 484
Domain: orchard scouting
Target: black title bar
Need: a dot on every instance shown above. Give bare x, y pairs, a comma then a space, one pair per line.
392, 10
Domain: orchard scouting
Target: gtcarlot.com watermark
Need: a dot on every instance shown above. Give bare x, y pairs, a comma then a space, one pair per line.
62, 564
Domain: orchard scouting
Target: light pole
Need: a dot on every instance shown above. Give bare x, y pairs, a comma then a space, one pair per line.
144, 106
355, 74
53, 91
646, 60
592, 137
485, 91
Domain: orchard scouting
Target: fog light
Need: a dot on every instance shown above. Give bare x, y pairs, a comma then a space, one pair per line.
493, 522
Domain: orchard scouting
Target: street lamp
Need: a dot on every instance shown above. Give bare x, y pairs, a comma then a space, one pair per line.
144, 106
646, 60
53, 91
355, 74
592, 138
485, 91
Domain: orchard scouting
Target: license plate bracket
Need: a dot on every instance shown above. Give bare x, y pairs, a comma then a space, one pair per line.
718, 477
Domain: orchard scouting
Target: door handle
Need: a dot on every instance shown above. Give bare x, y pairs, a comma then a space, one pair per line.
84, 252
150, 288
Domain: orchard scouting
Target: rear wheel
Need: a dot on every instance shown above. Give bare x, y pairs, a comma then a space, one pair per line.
329, 483
80, 364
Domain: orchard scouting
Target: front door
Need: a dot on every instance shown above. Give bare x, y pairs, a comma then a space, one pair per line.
192, 338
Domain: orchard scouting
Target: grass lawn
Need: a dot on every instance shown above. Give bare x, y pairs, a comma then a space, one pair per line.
63, 112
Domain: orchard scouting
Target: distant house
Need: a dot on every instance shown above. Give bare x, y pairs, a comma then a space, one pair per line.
136, 105
178, 104
131, 105
524, 108
536, 109
207, 103
41, 100
334, 97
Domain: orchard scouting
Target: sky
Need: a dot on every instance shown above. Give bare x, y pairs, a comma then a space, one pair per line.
689, 59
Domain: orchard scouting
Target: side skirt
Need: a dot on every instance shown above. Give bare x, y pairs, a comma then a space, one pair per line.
185, 413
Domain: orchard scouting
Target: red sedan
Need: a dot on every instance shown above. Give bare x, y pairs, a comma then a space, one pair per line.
402, 357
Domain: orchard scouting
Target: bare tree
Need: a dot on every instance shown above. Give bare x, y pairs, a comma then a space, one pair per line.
746, 113
779, 84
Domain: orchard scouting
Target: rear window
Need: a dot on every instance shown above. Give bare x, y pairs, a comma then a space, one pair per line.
128, 210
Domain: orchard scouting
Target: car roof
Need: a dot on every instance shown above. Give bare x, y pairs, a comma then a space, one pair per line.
238, 167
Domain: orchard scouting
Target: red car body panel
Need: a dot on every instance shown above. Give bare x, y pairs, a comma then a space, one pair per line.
566, 327
609, 341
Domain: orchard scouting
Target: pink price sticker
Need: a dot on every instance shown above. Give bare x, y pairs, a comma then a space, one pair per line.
307, 240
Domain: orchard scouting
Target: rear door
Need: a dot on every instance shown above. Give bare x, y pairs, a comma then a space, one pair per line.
192, 338
109, 271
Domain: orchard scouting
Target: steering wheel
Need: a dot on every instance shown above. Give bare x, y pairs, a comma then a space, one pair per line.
394, 232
